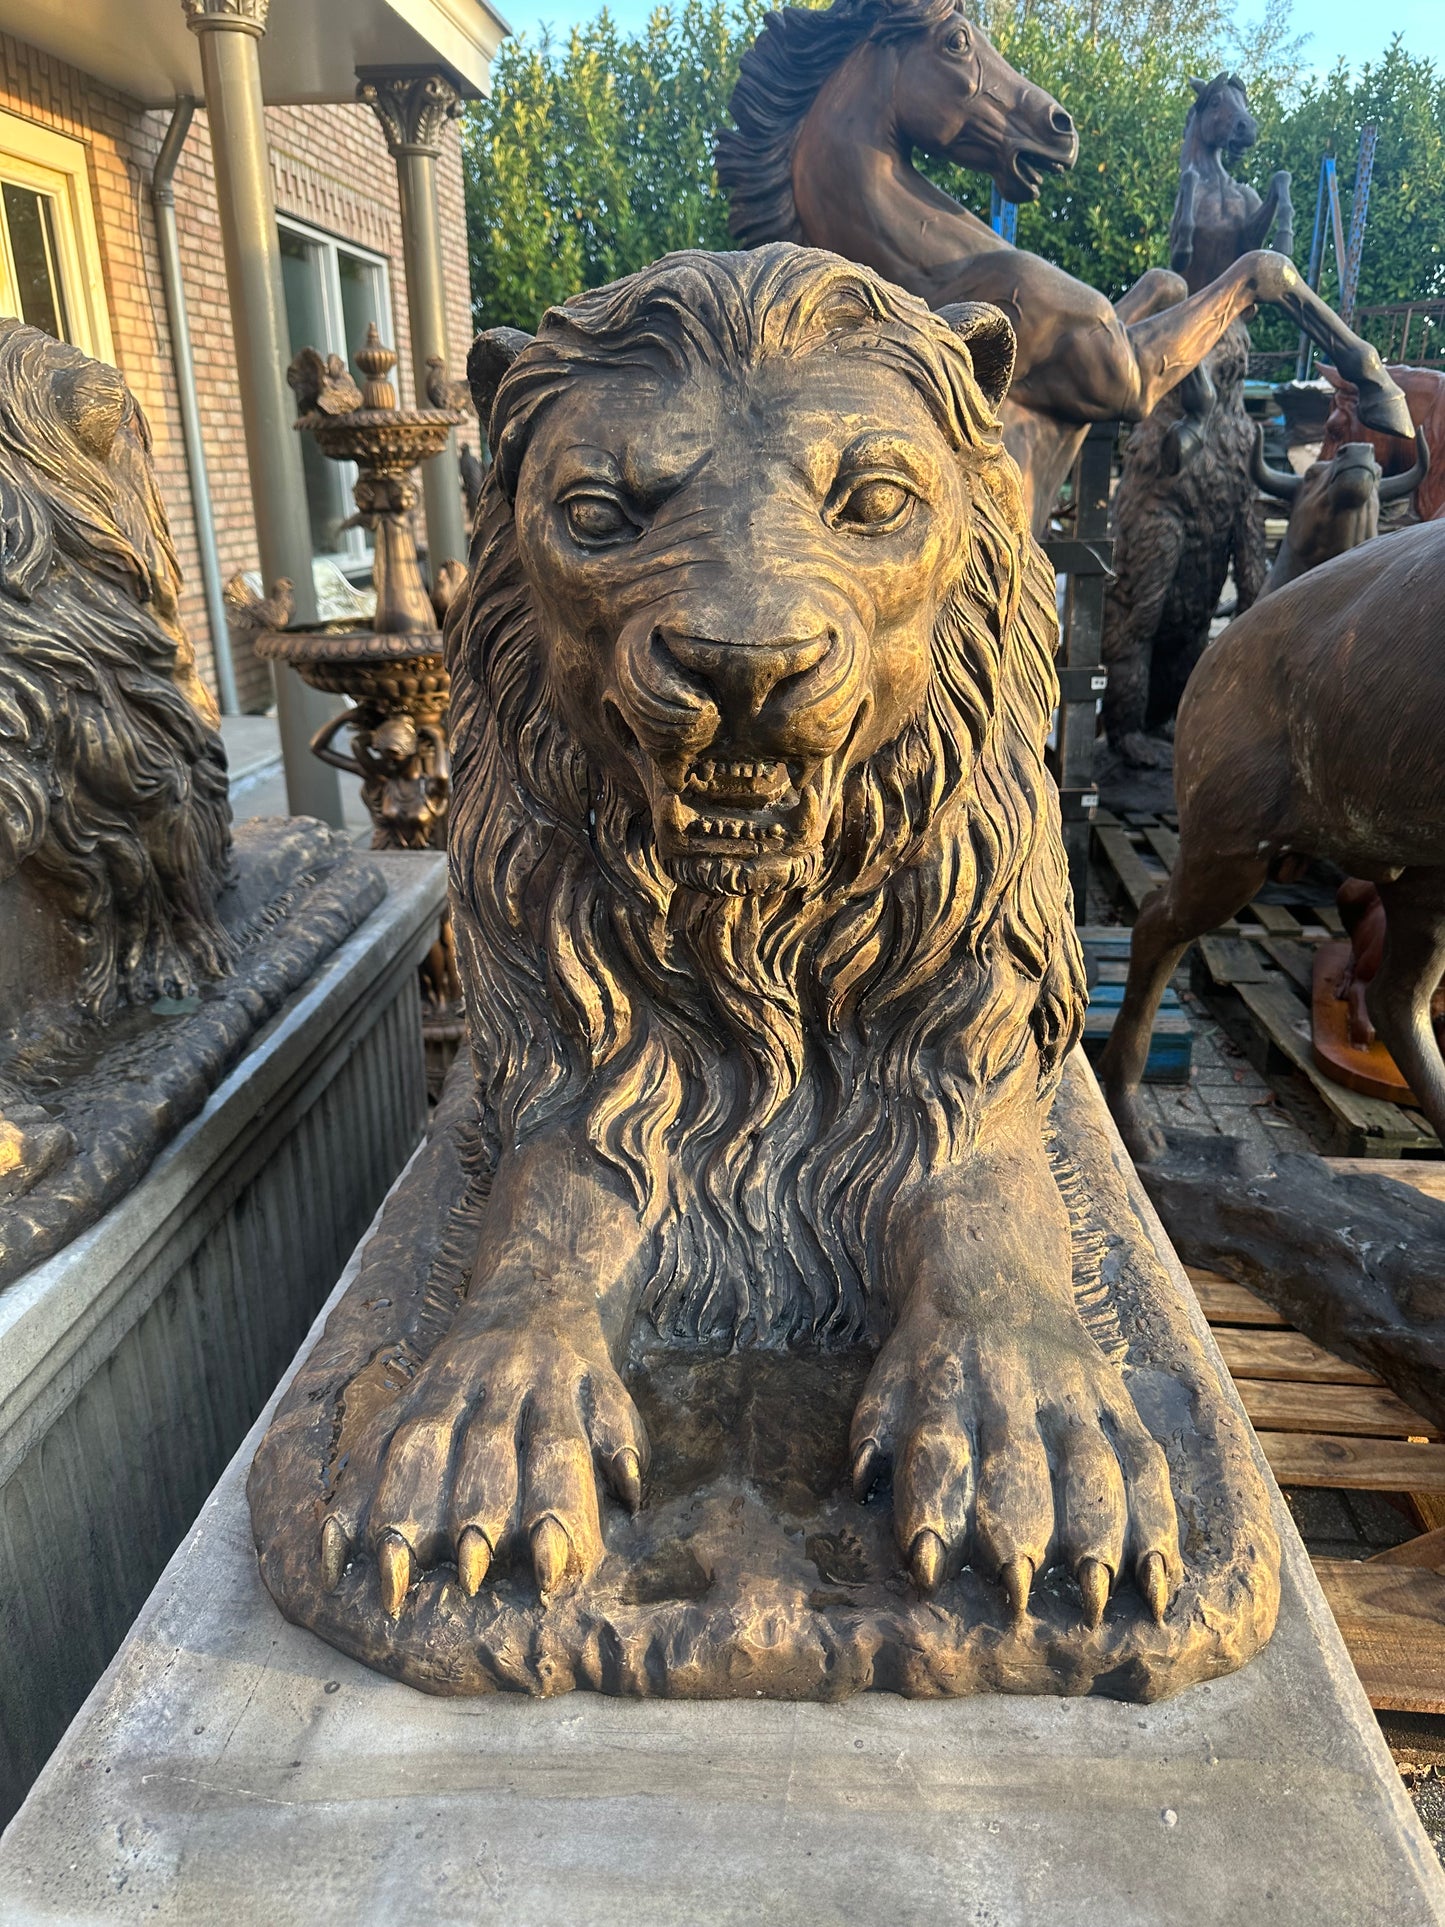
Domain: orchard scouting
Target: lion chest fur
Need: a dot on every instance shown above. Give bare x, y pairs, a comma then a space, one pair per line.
757, 873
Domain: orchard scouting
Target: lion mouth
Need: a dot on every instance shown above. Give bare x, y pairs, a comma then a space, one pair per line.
751, 803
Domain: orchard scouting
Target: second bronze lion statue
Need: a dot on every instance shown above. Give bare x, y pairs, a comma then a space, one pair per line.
770, 971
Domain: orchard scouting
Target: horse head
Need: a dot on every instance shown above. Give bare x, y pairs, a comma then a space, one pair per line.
955, 96
1220, 119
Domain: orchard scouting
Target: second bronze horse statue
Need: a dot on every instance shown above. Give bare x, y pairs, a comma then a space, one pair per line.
830, 108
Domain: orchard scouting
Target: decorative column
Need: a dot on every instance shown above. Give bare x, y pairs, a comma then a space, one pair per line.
229, 32
414, 106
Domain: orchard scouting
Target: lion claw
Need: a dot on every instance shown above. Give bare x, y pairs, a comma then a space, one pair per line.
335, 1551
1152, 1579
474, 1558
551, 1550
867, 1462
1016, 1576
928, 1559
1094, 1580
627, 1478
393, 1556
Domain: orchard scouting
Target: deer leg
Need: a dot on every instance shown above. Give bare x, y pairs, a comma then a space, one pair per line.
1399, 999
1198, 896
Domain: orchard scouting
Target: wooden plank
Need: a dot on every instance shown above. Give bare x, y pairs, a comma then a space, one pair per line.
1357, 1464
1296, 960
1428, 1549
1392, 1619
1278, 921
1137, 879
1230, 960
1284, 1021
1226, 1303
1287, 1355
1330, 917
1364, 1411
1426, 1175
1164, 843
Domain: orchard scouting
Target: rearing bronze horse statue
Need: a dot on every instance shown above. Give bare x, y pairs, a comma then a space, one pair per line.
830, 108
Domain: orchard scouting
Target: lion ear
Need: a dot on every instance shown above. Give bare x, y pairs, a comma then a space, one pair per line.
992, 344
492, 354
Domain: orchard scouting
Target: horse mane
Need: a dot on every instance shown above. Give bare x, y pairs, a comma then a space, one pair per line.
781, 75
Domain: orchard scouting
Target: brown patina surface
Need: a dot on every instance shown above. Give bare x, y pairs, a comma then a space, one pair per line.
762, 914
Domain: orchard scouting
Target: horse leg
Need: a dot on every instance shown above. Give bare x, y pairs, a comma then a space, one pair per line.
1181, 228
1198, 896
1168, 345
1154, 291
1399, 999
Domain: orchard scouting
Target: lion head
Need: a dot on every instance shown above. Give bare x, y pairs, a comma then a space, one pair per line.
756, 863
113, 786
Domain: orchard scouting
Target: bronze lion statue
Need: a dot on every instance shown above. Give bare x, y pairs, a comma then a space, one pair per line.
113, 790
763, 918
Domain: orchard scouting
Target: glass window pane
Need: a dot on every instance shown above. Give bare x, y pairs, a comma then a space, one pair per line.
30, 221
360, 301
328, 498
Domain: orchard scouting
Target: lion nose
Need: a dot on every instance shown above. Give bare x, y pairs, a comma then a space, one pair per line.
742, 676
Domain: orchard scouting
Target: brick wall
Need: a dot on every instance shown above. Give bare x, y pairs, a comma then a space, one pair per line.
331, 168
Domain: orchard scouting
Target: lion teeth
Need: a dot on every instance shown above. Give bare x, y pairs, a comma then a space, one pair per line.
738, 830
708, 775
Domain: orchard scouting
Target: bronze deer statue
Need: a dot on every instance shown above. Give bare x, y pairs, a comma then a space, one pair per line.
1310, 729
830, 108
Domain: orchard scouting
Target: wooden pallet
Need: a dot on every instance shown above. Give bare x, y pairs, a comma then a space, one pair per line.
1324, 1421
1265, 957
1106, 965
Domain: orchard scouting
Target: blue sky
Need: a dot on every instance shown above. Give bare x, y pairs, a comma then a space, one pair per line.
1336, 26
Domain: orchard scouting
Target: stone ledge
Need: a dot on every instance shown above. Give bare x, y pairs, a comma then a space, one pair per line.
231, 1765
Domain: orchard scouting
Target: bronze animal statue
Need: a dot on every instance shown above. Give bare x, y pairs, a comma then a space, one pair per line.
1424, 392
1334, 505
761, 909
1310, 730
830, 107
1217, 218
1179, 529
113, 787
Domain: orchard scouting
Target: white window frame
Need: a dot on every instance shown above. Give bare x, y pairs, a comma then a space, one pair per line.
357, 557
38, 158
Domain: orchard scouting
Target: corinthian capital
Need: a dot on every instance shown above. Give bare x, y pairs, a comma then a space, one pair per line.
246, 16
413, 107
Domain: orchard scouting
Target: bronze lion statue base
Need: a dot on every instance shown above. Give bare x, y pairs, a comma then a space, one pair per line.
780, 1343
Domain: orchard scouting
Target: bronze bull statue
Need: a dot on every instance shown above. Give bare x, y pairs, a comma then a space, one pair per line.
1334, 505
1310, 729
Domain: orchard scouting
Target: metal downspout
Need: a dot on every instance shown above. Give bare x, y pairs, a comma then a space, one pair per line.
163, 203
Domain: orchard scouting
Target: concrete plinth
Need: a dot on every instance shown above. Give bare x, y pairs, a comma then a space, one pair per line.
232, 1767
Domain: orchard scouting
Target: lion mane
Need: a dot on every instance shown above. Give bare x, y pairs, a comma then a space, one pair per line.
113, 785
764, 1071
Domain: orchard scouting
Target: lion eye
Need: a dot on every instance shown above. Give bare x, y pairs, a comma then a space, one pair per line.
596, 520
877, 504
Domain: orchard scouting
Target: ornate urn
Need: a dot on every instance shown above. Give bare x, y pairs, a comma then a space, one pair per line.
393, 671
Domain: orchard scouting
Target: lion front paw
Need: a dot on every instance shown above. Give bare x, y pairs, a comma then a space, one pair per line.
491, 1451
1015, 1450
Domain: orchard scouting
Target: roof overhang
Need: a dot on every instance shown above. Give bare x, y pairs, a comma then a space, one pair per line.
309, 53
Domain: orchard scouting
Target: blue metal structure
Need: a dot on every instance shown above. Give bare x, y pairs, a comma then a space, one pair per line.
1004, 218
1347, 255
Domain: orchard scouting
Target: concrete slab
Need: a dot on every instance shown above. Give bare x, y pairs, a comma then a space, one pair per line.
230, 1767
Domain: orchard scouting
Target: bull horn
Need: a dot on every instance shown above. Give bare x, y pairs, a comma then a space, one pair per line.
1399, 486
1272, 480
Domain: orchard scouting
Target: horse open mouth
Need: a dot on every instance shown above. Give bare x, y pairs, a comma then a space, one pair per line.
1028, 167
